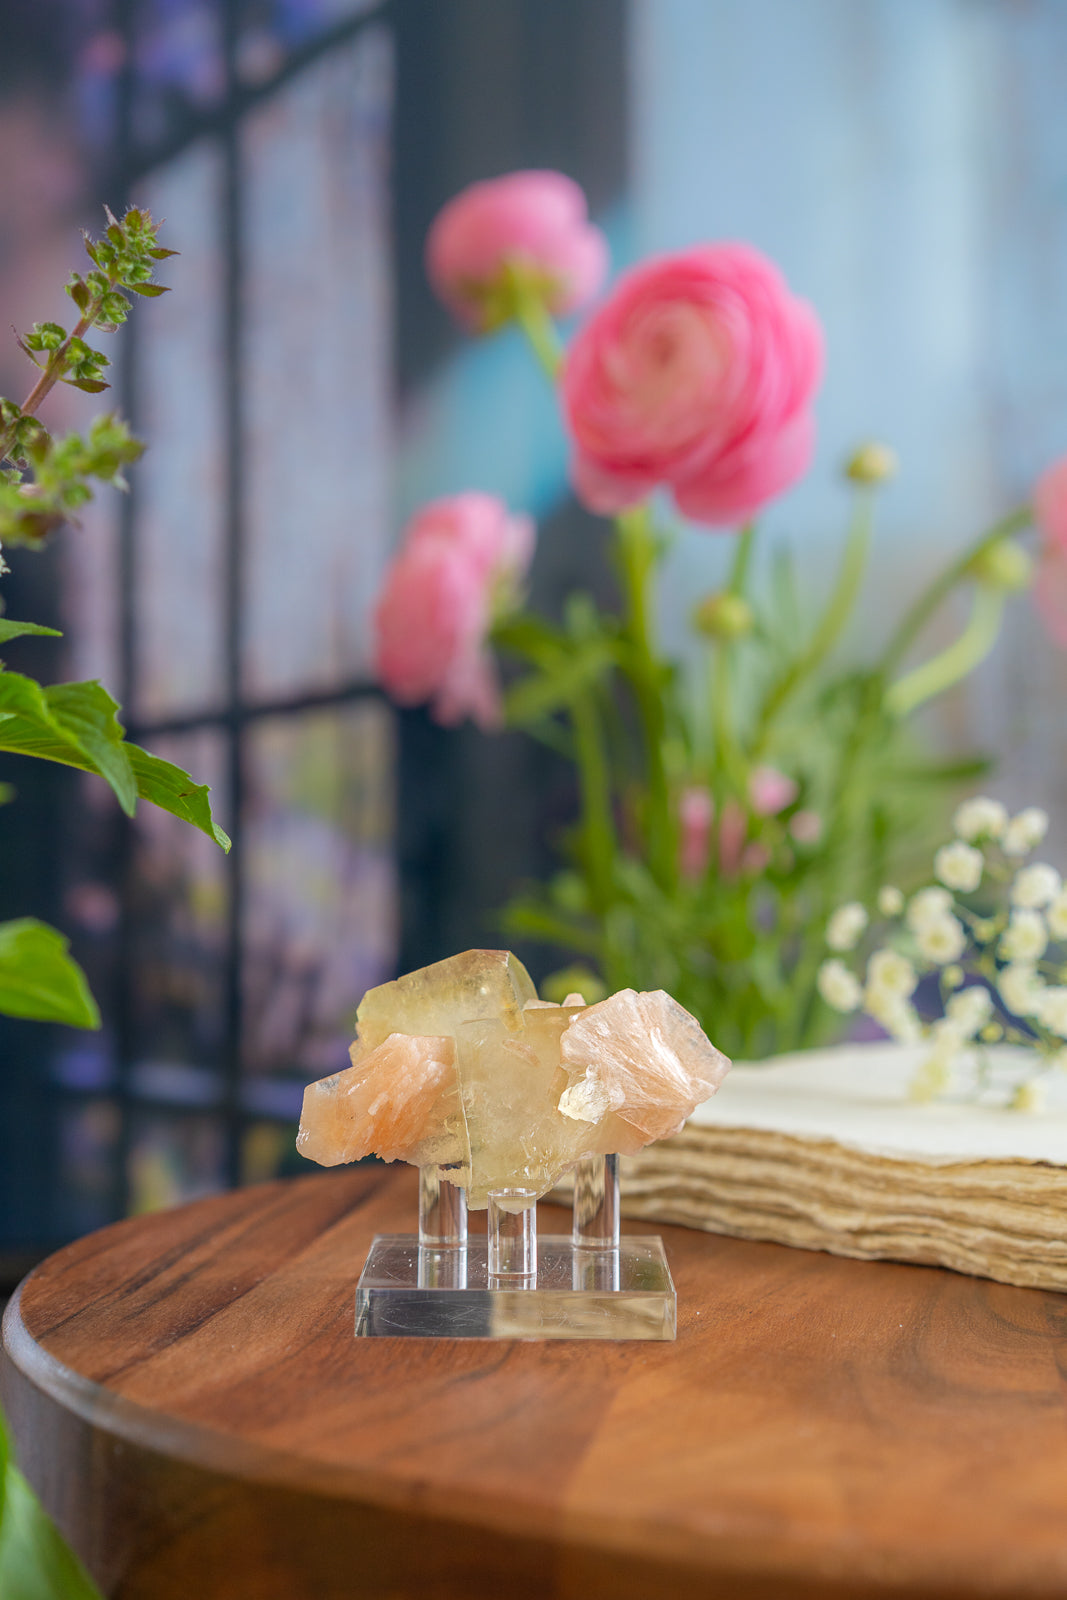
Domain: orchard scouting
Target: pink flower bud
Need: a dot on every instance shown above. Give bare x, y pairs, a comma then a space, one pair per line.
770, 791
696, 812
806, 827
733, 831
698, 372
461, 559
1050, 582
534, 222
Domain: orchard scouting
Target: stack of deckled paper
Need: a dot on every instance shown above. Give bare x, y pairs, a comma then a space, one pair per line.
824, 1150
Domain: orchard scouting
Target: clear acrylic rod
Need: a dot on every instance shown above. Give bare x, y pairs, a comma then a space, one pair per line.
512, 1226
596, 1203
442, 1211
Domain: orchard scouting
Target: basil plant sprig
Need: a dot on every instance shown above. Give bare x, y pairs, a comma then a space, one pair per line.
44, 480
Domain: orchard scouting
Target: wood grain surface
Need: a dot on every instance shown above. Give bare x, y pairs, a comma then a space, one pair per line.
190, 1401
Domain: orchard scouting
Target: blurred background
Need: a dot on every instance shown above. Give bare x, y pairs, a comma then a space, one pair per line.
301, 393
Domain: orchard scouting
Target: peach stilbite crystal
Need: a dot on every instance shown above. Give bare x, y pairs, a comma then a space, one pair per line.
399, 1102
461, 1066
641, 1058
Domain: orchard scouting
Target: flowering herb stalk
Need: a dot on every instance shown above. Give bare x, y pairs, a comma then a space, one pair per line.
722, 816
43, 482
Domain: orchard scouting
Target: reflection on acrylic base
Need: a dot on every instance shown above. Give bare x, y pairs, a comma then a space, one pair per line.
440, 1284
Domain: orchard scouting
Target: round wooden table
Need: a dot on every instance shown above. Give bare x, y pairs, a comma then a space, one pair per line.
190, 1402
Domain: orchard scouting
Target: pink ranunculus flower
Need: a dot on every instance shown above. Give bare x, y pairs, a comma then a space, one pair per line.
535, 221
462, 560
1050, 583
697, 372
771, 791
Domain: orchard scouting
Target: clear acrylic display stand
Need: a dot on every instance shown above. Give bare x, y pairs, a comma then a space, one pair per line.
593, 1284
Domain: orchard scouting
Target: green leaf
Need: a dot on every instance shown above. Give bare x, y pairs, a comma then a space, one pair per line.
535, 696
39, 980
76, 725
35, 1563
12, 630
86, 385
173, 790
72, 723
151, 291
87, 713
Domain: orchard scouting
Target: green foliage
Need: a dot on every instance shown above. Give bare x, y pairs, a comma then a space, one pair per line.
43, 483
39, 980
734, 932
76, 724
46, 480
173, 790
35, 1563
61, 474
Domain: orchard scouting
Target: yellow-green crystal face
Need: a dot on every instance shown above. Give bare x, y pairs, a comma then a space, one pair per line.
476, 985
460, 1066
511, 1084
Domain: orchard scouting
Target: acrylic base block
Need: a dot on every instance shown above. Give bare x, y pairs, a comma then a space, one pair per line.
410, 1290
441, 1284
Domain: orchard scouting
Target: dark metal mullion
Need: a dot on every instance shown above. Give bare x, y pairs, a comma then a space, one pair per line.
229, 716
234, 265
241, 98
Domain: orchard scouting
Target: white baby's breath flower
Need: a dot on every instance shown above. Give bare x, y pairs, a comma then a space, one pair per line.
1025, 831
952, 976
892, 972
1036, 886
1030, 1096
942, 940
1056, 916
1051, 1009
980, 818
931, 1079
890, 901
947, 1037
1058, 1062
1020, 988
1025, 938
970, 1010
845, 926
927, 906
983, 929
959, 866
895, 1013
838, 986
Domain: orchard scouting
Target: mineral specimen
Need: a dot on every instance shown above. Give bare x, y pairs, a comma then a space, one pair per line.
461, 1066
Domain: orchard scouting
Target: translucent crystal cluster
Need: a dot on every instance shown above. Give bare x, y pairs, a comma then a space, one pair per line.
460, 1065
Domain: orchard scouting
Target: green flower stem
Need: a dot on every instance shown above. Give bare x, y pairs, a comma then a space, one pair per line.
540, 330
961, 657
598, 825
637, 556
727, 750
943, 585
842, 820
832, 621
